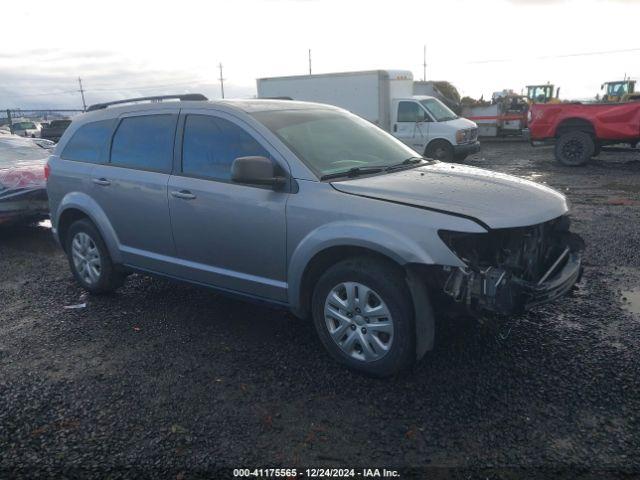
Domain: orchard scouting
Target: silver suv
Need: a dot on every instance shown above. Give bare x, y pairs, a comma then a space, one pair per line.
306, 206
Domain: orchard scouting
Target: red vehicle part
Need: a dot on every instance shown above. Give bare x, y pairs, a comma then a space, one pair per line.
579, 130
22, 194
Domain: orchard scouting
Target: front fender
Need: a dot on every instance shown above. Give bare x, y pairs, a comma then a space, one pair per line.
84, 203
384, 241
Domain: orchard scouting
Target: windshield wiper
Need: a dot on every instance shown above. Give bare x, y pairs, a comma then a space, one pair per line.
404, 163
352, 172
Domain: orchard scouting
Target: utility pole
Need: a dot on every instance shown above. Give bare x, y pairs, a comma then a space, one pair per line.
84, 104
10, 120
424, 64
309, 61
221, 80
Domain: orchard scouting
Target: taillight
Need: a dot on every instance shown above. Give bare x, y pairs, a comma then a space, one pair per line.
47, 171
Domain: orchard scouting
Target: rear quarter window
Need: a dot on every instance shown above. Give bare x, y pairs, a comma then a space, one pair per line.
144, 142
89, 143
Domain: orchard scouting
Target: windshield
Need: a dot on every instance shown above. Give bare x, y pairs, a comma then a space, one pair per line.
24, 126
438, 110
331, 142
618, 88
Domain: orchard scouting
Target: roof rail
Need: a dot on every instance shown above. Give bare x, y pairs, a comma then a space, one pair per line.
158, 98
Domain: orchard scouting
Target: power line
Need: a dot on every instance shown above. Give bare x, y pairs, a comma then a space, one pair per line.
112, 89
41, 94
566, 55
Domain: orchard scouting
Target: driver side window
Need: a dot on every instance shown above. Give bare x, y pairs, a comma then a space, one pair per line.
411, 112
211, 144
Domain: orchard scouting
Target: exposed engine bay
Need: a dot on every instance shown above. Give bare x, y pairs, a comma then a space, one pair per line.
511, 270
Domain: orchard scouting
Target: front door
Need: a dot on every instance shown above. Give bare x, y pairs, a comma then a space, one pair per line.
132, 188
411, 125
226, 234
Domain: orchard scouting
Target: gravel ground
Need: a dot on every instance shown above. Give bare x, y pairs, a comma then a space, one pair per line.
179, 381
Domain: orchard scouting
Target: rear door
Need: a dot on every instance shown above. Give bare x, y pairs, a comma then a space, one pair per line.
132, 187
226, 234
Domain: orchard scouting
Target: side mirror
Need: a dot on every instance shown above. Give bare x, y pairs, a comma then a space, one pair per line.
255, 171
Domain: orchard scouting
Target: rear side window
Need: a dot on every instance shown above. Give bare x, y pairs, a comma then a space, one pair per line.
211, 144
144, 142
89, 143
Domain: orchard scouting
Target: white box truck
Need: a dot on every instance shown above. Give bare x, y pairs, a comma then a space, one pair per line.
385, 98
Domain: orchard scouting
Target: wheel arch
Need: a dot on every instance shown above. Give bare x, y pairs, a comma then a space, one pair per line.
322, 260
334, 240
75, 206
573, 124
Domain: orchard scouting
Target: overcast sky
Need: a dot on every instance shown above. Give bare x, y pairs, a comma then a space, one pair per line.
129, 48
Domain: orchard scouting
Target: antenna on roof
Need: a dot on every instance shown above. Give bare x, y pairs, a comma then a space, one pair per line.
309, 61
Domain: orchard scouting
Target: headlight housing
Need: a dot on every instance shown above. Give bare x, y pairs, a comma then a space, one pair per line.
466, 135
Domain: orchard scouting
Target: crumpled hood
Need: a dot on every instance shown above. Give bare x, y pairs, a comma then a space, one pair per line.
495, 199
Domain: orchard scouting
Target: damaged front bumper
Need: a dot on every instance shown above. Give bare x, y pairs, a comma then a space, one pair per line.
498, 291
552, 256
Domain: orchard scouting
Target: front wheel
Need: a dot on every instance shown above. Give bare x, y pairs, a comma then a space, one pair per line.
574, 148
89, 259
363, 313
439, 150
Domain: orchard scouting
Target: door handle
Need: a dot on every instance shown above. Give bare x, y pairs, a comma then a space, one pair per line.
183, 194
395, 127
101, 181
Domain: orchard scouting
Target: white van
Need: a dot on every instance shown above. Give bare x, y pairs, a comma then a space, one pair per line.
385, 98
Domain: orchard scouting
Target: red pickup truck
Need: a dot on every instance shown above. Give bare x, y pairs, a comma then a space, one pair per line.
580, 129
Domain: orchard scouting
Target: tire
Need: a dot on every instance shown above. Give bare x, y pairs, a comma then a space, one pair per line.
574, 148
597, 149
89, 259
365, 342
439, 150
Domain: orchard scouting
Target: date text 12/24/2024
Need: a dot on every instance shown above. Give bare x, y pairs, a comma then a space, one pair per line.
316, 473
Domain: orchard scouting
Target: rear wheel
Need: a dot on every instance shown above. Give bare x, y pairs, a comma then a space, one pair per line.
574, 148
89, 259
440, 150
363, 313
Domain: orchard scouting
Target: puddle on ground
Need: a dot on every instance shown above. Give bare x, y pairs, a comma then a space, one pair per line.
631, 300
